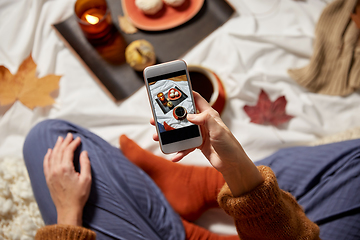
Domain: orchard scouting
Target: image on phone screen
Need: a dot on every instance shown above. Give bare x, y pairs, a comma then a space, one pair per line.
171, 98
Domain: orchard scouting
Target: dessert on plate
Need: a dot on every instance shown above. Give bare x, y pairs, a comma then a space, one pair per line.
149, 7
174, 3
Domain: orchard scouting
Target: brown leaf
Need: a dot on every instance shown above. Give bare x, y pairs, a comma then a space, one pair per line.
26, 87
267, 112
126, 25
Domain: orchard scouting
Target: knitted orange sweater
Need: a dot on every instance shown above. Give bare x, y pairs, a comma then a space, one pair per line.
267, 212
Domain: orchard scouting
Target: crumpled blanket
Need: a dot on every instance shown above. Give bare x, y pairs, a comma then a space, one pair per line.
19, 214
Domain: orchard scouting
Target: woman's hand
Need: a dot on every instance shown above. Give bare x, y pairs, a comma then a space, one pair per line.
222, 149
69, 189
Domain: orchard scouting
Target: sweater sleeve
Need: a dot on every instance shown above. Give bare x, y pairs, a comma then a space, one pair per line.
267, 212
64, 232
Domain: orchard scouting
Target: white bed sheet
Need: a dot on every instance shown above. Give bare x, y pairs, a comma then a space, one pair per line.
250, 52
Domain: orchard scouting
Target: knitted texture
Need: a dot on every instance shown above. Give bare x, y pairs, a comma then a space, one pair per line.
190, 190
269, 206
64, 232
334, 67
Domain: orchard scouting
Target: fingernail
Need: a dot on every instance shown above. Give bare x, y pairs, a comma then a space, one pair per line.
191, 116
59, 138
68, 135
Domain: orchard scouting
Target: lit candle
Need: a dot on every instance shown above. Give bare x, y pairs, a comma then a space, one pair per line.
94, 19
91, 19
93, 15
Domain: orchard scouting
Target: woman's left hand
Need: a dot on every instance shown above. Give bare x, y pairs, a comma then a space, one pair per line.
69, 189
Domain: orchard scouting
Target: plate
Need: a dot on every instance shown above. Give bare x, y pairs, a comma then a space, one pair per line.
174, 98
168, 17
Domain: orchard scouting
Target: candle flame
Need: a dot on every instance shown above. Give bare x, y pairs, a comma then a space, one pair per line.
91, 19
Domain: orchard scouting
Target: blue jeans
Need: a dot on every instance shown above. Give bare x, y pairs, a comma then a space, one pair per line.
124, 202
325, 180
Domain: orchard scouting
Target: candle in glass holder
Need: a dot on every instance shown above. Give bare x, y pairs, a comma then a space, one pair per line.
92, 16
94, 19
162, 98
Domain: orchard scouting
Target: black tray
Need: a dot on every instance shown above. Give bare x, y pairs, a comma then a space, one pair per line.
121, 81
176, 102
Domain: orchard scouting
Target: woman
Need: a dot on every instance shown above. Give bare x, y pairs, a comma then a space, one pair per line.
116, 199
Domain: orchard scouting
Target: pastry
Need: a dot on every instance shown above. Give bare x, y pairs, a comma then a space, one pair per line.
140, 54
174, 3
149, 7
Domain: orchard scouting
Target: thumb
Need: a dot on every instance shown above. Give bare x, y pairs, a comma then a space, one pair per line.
207, 119
85, 165
193, 118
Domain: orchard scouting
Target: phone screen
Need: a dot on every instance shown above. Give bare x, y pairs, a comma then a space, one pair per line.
172, 100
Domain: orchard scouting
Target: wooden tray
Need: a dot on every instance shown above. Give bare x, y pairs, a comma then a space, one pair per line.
121, 81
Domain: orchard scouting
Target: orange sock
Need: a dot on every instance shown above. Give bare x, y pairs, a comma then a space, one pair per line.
190, 190
194, 232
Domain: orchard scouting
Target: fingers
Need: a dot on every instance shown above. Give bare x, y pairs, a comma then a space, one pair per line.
64, 144
56, 151
152, 121
181, 155
85, 172
60, 147
201, 104
207, 114
156, 137
46, 163
63, 151
210, 118
69, 150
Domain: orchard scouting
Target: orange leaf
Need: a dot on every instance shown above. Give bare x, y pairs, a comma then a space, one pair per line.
9, 87
26, 87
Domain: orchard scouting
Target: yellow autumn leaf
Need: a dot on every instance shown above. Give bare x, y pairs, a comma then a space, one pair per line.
26, 87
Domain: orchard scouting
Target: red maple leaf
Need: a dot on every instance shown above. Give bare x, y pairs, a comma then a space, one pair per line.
168, 127
267, 112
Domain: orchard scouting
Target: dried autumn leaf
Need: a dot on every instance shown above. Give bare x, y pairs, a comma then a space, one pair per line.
267, 112
168, 127
26, 87
126, 25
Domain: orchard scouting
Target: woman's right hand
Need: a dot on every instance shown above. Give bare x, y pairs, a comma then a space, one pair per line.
219, 146
222, 149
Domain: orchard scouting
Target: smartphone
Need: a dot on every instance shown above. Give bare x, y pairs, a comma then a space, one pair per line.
171, 99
